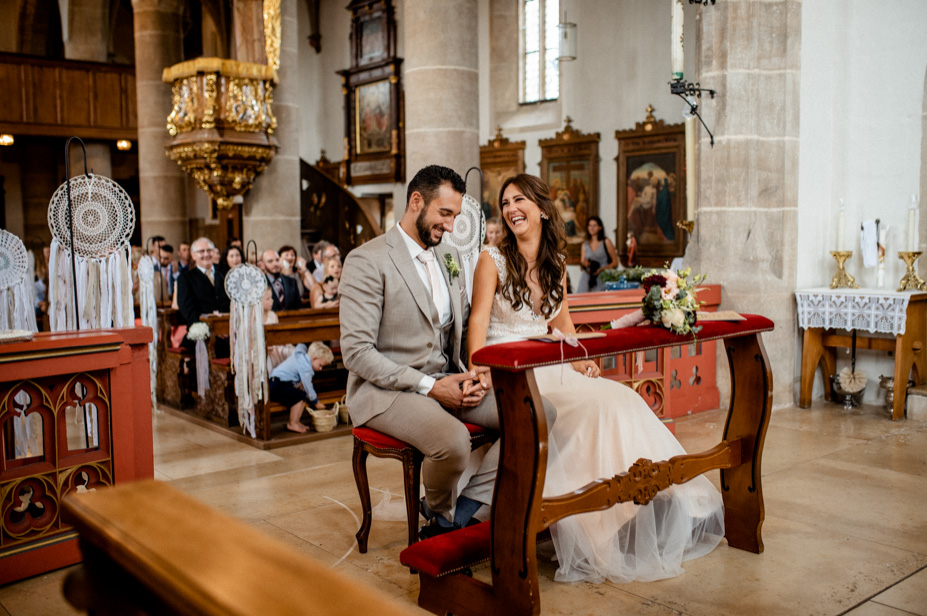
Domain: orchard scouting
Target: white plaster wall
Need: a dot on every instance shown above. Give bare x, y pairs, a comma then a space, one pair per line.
862, 83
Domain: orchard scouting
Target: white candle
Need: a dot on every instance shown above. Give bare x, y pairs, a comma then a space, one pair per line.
676, 43
912, 228
841, 229
690, 169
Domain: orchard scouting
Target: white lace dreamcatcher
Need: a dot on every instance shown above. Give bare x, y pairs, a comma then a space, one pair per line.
245, 286
467, 237
103, 220
149, 315
17, 292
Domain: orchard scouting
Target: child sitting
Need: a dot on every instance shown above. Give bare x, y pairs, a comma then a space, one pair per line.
291, 382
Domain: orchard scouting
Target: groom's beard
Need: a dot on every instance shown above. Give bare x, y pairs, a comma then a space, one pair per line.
424, 231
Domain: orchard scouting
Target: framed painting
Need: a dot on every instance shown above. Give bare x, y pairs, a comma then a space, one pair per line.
373, 32
500, 159
372, 121
373, 124
651, 192
570, 167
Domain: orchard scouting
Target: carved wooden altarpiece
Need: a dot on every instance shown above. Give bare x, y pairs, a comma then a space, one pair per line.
500, 159
373, 143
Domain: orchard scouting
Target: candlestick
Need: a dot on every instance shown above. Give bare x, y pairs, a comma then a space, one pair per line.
912, 230
842, 279
911, 281
691, 182
676, 41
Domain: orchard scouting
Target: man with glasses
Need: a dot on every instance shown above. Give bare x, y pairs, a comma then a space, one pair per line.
201, 289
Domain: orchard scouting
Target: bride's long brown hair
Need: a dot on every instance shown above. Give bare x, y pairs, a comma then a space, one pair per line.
551, 262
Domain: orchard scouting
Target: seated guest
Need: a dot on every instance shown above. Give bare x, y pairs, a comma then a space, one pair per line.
286, 293
316, 261
166, 276
291, 382
295, 267
329, 251
183, 256
278, 353
325, 294
201, 290
231, 259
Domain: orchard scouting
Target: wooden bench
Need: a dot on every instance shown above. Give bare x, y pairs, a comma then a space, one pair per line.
173, 386
520, 512
149, 548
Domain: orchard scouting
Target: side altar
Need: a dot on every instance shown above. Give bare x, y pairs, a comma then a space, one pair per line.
675, 381
75, 415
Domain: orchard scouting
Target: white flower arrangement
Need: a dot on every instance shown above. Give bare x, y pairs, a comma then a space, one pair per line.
198, 331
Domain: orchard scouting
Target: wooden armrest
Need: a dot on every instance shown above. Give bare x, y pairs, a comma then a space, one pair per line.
197, 560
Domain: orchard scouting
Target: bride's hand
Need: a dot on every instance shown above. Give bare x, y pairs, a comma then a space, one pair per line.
587, 367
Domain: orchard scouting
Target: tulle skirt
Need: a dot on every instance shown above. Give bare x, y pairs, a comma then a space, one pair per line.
602, 428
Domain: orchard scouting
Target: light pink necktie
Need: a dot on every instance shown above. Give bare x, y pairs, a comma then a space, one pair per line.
428, 258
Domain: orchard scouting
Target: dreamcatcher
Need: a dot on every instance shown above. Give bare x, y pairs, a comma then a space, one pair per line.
91, 219
148, 310
245, 286
469, 233
17, 293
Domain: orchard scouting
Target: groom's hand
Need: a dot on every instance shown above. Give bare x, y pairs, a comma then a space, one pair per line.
455, 392
482, 383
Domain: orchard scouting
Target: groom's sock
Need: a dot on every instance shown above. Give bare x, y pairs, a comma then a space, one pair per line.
466, 507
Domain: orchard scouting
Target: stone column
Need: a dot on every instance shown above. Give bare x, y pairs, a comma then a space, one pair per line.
271, 207
747, 208
441, 78
87, 39
162, 183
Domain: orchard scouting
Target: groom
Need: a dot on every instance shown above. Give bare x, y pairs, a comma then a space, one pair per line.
404, 313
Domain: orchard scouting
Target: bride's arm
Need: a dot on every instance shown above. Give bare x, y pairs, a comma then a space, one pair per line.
485, 280
564, 323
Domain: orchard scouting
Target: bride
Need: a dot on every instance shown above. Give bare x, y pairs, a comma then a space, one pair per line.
602, 427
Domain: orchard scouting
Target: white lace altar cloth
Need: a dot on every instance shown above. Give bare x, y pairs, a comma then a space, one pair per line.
875, 311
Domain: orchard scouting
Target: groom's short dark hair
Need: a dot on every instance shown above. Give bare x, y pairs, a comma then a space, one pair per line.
429, 180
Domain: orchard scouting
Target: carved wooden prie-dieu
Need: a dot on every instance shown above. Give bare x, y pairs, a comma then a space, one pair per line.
75, 416
520, 512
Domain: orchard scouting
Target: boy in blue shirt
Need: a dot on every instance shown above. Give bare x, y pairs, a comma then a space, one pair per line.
291, 382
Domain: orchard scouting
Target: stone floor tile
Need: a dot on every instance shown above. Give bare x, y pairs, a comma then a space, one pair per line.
909, 595
37, 596
871, 608
874, 504
804, 570
210, 459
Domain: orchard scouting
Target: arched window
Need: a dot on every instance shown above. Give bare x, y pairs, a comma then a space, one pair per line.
540, 72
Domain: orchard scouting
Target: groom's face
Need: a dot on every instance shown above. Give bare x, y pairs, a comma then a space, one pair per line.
437, 217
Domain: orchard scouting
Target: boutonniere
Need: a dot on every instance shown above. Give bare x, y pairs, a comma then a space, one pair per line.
453, 270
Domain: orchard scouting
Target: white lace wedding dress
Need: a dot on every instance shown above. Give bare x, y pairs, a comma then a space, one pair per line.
602, 428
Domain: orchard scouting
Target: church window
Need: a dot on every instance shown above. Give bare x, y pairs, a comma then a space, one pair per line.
540, 72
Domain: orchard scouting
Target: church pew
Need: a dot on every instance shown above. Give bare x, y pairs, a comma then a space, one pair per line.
520, 512
149, 548
173, 386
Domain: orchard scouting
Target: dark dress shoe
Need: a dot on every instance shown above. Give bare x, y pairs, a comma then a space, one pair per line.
432, 528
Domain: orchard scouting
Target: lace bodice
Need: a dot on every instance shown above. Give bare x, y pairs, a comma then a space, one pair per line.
505, 323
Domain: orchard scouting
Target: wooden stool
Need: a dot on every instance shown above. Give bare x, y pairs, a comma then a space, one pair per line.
370, 441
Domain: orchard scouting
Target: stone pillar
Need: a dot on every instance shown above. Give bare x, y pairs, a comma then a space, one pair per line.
87, 32
162, 183
87, 39
747, 208
271, 207
441, 78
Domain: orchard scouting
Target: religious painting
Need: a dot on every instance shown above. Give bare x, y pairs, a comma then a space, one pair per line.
651, 193
373, 39
373, 122
373, 32
569, 166
500, 159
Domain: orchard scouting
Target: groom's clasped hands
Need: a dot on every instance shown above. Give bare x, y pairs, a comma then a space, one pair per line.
464, 390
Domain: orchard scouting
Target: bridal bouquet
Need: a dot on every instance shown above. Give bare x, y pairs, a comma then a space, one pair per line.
669, 300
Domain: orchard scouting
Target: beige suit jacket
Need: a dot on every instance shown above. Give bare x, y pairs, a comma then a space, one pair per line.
388, 322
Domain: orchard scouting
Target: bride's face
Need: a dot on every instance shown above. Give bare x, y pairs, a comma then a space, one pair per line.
522, 215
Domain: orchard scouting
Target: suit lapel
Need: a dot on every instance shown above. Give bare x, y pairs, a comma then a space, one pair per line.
401, 258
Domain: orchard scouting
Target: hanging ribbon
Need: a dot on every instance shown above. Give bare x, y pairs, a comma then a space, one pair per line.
573, 341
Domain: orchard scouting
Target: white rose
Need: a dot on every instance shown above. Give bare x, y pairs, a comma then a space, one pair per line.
673, 319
